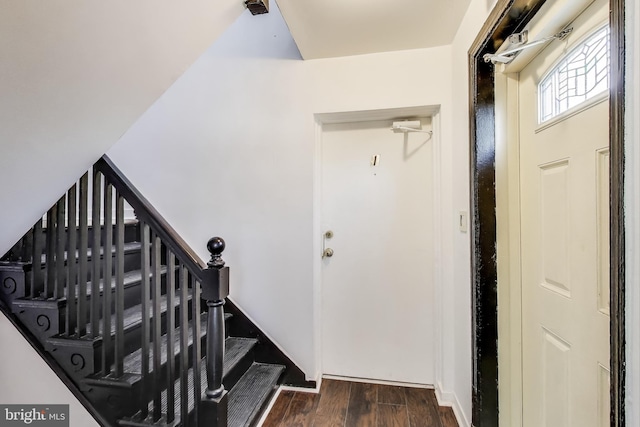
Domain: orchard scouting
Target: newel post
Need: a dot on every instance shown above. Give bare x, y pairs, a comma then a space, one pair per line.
214, 290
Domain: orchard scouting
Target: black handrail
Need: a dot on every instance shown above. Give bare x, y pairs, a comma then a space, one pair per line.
147, 213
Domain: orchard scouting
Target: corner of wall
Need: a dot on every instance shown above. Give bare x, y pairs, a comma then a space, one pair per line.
448, 398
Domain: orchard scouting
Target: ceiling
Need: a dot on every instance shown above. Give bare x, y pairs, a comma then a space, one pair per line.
330, 28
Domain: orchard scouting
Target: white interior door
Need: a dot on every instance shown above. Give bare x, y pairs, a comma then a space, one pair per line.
564, 176
377, 288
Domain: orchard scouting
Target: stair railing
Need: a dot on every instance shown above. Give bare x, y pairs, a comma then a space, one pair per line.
79, 226
212, 280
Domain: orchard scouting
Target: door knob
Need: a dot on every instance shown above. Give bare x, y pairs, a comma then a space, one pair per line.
327, 253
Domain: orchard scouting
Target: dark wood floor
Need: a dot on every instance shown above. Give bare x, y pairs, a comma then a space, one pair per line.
349, 404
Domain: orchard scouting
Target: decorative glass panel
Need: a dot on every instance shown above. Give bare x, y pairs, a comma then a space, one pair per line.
581, 75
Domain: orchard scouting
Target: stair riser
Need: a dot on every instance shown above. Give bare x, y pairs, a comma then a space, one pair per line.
132, 295
131, 263
131, 234
232, 376
164, 368
133, 335
47, 318
43, 318
115, 402
130, 398
81, 358
12, 283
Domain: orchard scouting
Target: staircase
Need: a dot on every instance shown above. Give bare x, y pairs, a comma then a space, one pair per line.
117, 304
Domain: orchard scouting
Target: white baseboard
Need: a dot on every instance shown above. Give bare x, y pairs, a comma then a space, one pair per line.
372, 381
446, 398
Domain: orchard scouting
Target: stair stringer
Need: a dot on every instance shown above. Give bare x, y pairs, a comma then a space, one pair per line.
30, 375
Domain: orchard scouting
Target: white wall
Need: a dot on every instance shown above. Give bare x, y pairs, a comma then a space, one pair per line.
225, 154
632, 211
74, 76
37, 384
232, 149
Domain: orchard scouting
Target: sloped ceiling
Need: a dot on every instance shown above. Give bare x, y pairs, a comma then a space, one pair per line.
331, 28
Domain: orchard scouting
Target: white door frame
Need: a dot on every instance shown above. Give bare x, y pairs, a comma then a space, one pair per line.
321, 119
508, 249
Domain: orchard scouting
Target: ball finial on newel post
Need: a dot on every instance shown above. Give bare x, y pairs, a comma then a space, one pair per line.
216, 245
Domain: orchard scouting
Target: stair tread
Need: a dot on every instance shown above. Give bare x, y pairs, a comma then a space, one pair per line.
133, 361
128, 247
235, 349
248, 396
130, 278
259, 381
132, 316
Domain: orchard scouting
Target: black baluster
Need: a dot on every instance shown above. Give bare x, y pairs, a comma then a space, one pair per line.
61, 276
197, 346
50, 250
146, 297
83, 247
156, 297
95, 254
107, 275
71, 261
184, 345
119, 295
26, 245
214, 290
37, 281
171, 324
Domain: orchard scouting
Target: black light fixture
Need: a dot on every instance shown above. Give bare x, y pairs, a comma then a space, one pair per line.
257, 7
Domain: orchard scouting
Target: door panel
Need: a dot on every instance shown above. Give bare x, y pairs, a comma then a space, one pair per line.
554, 214
556, 355
377, 288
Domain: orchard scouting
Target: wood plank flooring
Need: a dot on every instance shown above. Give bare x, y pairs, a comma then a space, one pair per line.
351, 404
